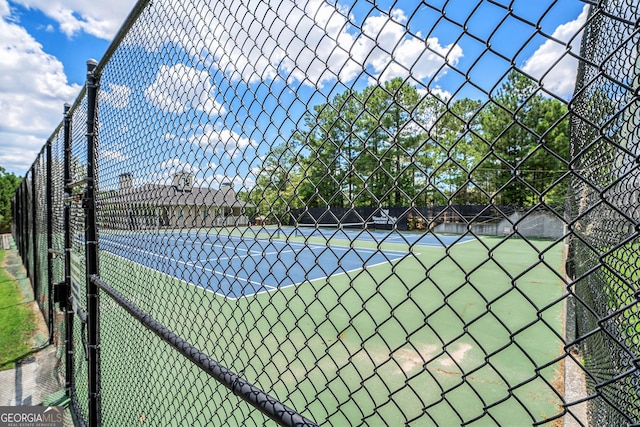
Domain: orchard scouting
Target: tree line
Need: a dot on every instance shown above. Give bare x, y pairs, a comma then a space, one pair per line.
391, 145
9, 183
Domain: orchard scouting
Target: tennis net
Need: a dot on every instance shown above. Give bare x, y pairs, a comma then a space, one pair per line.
332, 229
248, 233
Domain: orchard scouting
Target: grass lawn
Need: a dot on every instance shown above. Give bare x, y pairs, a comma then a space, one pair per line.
17, 320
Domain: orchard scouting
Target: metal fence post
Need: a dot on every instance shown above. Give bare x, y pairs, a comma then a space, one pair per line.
28, 215
91, 248
21, 223
68, 321
24, 253
35, 278
19, 216
50, 240
17, 221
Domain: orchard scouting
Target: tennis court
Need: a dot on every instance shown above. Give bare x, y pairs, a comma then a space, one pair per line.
262, 260
326, 322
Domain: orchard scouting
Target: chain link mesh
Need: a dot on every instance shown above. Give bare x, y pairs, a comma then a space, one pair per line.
78, 171
363, 214
604, 207
57, 201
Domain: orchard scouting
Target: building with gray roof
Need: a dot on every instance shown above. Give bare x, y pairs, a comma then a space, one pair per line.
179, 205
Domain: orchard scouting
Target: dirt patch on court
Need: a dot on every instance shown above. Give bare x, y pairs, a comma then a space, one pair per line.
409, 359
457, 356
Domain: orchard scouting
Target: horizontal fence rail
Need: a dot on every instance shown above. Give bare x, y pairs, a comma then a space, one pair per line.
334, 213
258, 398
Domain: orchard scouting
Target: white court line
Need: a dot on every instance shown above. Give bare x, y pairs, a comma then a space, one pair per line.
191, 264
192, 242
223, 258
472, 239
213, 245
176, 278
268, 288
302, 245
323, 277
249, 254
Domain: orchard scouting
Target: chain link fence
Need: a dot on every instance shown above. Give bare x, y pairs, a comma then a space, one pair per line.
325, 213
604, 212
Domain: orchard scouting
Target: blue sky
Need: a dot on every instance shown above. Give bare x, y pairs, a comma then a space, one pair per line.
44, 45
70, 50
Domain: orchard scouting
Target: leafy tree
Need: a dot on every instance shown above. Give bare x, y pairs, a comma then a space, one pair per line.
390, 145
276, 185
528, 139
395, 123
9, 183
331, 147
364, 149
460, 151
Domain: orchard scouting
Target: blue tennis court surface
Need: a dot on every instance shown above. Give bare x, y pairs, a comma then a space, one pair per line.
240, 266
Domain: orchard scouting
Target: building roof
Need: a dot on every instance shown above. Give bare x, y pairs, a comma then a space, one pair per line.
170, 195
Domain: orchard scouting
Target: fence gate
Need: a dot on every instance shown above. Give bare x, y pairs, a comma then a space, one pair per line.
347, 213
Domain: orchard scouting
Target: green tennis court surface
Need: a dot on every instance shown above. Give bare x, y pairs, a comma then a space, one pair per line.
434, 338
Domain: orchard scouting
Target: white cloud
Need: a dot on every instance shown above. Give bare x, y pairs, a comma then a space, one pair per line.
314, 42
113, 155
180, 88
177, 165
18, 151
116, 95
99, 19
216, 180
552, 62
202, 177
222, 141
33, 90
385, 45
4, 8
437, 91
169, 168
